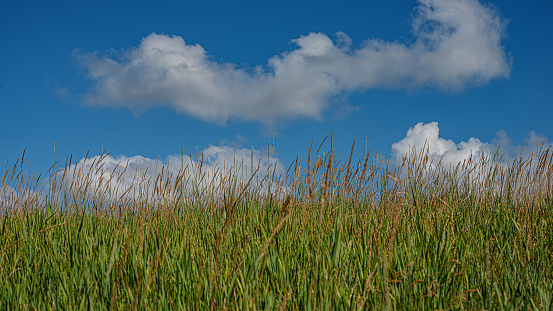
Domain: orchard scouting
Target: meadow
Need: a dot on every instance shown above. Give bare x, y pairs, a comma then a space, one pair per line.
328, 233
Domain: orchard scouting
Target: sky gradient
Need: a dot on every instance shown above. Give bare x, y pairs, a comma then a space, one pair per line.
146, 81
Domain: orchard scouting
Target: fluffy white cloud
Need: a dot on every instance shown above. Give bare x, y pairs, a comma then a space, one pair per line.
425, 137
209, 176
458, 43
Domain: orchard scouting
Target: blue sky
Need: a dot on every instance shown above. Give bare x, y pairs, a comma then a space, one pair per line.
145, 79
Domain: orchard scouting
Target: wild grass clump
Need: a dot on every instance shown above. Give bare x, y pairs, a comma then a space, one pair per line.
377, 233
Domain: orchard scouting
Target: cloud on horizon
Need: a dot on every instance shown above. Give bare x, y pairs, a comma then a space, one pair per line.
458, 43
450, 153
117, 177
157, 180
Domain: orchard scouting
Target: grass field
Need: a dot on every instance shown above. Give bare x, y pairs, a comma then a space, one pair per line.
330, 233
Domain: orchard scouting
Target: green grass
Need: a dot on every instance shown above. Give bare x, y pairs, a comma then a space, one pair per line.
333, 235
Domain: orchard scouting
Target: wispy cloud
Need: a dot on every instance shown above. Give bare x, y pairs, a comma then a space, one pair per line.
425, 137
458, 43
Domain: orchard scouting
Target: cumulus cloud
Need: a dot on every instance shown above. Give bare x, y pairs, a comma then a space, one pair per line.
457, 44
425, 137
211, 174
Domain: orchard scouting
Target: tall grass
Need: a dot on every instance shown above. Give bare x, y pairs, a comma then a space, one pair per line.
372, 233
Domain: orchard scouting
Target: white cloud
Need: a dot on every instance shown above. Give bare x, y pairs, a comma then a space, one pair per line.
534, 140
458, 43
123, 178
426, 137
530, 144
512, 173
